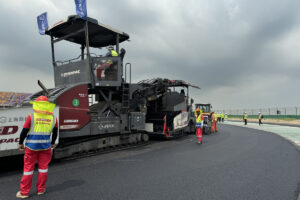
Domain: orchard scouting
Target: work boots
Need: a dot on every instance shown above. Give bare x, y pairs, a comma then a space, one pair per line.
21, 196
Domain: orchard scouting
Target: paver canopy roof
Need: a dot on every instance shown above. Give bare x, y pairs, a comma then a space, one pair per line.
100, 35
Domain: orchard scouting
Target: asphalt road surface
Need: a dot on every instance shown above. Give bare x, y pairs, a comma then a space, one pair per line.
236, 163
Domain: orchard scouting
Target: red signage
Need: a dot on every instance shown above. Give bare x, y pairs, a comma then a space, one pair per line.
10, 140
8, 130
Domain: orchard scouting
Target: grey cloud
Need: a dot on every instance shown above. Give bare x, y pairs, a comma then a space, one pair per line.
219, 45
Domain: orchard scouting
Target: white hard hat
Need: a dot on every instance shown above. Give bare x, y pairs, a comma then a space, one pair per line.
110, 47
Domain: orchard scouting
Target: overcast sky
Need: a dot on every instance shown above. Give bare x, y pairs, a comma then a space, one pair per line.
242, 53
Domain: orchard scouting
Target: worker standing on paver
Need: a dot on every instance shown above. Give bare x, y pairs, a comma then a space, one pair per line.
38, 146
245, 116
199, 124
222, 117
260, 117
108, 64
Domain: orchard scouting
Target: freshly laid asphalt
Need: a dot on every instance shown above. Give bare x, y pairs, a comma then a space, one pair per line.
236, 163
291, 133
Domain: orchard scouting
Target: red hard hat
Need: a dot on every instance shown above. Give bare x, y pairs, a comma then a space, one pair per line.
42, 98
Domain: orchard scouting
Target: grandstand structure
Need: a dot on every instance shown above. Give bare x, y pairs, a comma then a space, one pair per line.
12, 99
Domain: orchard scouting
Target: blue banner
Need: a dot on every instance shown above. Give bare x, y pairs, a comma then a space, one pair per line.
81, 8
42, 23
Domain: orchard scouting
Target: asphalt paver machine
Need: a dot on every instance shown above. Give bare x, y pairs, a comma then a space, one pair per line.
91, 95
169, 107
91, 92
96, 106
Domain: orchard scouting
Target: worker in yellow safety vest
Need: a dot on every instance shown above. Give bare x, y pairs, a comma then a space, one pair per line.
245, 116
111, 53
226, 117
260, 117
219, 117
38, 145
108, 64
199, 124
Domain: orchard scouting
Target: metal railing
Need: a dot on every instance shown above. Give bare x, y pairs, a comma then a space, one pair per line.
279, 112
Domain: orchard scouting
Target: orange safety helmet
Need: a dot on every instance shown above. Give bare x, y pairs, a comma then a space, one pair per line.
42, 98
198, 109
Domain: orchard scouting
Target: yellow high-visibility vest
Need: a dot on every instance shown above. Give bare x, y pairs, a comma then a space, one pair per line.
42, 123
39, 135
113, 54
199, 121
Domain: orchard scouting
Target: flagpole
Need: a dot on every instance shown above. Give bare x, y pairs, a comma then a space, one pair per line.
87, 34
87, 44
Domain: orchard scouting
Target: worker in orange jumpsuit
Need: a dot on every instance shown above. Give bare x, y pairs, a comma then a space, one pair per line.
199, 124
38, 145
214, 122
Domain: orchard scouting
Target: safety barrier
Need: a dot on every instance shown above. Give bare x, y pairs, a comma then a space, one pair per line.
278, 112
286, 117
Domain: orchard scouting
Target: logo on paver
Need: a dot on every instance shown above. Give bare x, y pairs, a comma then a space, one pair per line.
75, 102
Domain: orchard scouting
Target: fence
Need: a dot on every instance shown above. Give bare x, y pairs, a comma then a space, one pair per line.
286, 112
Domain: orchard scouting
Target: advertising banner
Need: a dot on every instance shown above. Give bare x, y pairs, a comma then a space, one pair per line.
11, 125
181, 120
